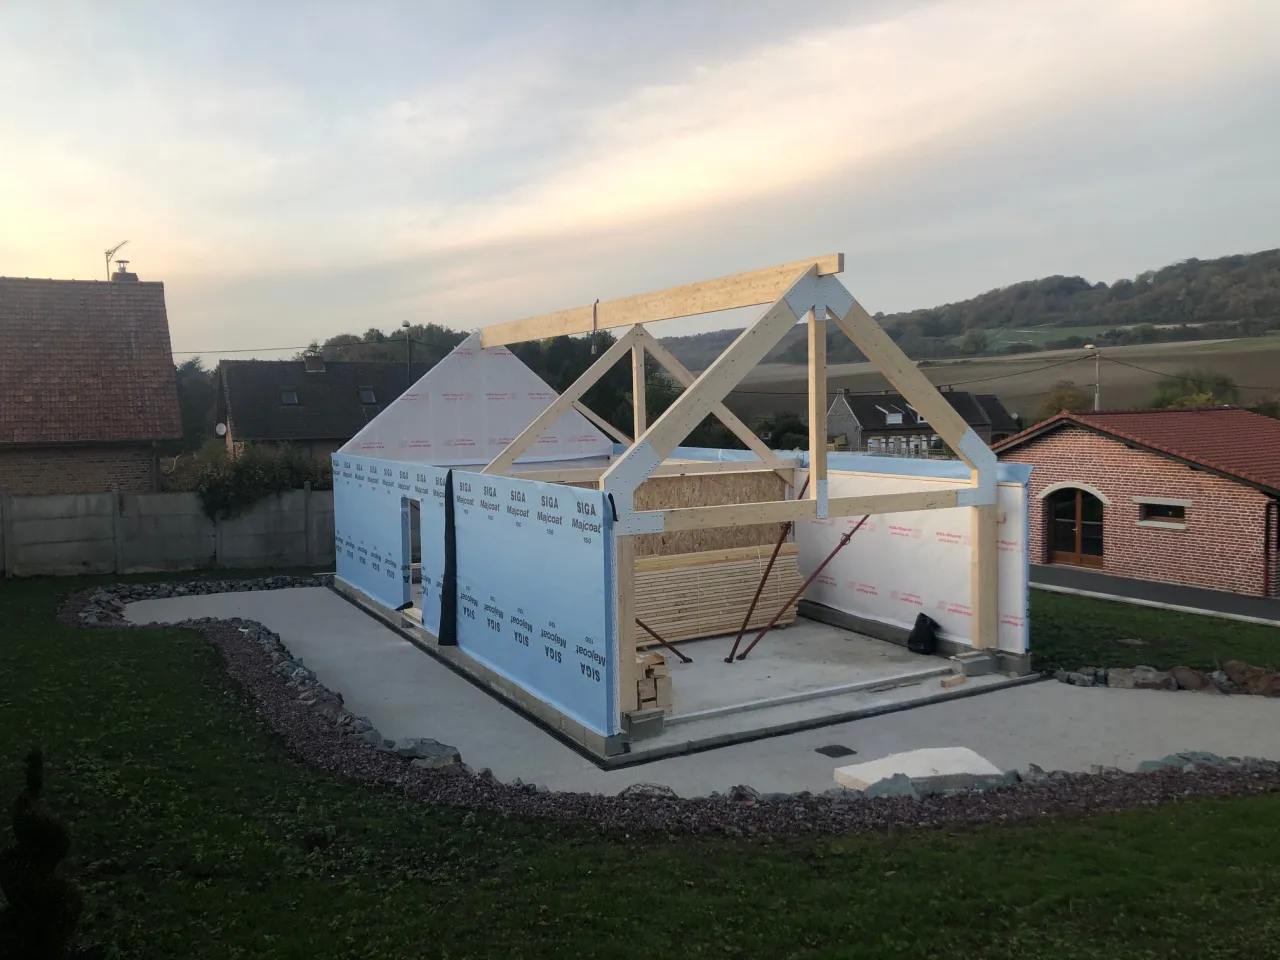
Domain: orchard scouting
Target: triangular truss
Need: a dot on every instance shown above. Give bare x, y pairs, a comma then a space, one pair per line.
806, 290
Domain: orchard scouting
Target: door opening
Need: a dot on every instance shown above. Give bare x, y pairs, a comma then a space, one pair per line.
1075, 528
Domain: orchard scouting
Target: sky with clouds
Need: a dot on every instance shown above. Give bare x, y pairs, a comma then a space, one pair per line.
294, 175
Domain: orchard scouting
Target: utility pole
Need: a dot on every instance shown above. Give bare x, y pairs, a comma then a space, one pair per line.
1097, 376
408, 355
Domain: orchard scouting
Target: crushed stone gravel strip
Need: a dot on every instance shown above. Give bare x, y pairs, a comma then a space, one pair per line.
316, 727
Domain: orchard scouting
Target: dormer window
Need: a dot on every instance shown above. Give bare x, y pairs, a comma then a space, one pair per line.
367, 396
289, 396
892, 418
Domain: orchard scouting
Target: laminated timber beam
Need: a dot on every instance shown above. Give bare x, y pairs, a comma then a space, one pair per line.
724, 293
782, 511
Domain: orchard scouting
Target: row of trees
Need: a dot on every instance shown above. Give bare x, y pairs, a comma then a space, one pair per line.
1236, 296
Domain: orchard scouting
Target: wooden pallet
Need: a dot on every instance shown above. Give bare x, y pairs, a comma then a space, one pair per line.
706, 594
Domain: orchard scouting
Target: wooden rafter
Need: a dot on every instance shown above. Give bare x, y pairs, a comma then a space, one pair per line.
878, 347
602, 423
724, 293
682, 376
559, 407
726, 371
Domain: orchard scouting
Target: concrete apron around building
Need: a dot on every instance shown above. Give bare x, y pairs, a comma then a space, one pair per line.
408, 694
784, 686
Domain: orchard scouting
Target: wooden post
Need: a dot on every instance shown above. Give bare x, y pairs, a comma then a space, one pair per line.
984, 559
624, 586
818, 411
637, 389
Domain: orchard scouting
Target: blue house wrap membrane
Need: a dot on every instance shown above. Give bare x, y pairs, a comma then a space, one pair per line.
534, 590
370, 531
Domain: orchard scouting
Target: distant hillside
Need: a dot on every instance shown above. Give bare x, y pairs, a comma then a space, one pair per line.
1234, 296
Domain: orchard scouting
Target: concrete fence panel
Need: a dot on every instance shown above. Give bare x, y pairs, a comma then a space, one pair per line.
61, 534
134, 533
165, 531
271, 533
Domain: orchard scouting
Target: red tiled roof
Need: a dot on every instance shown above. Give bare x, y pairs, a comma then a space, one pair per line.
1227, 439
85, 361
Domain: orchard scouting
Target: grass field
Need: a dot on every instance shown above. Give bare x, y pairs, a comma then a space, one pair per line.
195, 836
1021, 381
1004, 336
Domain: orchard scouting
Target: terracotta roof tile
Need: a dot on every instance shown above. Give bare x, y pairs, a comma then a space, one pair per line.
1227, 439
85, 361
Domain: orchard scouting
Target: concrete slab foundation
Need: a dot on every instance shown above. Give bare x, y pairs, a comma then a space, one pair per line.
409, 694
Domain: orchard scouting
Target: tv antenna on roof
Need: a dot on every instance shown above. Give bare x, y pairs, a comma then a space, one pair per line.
111, 253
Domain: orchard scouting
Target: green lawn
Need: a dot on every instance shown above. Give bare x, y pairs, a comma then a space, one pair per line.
1071, 632
194, 836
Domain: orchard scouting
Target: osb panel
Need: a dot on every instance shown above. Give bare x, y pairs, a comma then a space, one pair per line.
706, 490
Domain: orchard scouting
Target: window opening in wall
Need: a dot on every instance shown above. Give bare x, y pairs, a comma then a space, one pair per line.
288, 396
1162, 511
367, 395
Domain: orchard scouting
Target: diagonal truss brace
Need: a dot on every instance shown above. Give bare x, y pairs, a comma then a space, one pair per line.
561, 405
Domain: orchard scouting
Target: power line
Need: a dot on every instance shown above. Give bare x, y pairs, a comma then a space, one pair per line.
308, 346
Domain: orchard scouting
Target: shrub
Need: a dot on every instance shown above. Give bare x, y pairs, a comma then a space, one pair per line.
227, 485
43, 905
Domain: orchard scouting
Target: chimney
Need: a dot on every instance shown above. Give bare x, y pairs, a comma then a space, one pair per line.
122, 275
314, 362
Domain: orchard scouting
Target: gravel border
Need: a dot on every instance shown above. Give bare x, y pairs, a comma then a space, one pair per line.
317, 729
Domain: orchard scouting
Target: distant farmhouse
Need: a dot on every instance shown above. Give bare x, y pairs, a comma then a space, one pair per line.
315, 405
886, 423
87, 386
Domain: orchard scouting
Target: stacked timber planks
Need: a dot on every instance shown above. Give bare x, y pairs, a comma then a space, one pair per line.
706, 594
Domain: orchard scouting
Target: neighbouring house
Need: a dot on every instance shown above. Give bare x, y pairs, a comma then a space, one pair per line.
87, 386
886, 423
1181, 496
313, 404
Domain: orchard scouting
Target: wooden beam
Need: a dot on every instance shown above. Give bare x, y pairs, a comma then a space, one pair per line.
741, 514
602, 423
878, 347
559, 407
682, 376
984, 558
672, 468
637, 387
724, 293
818, 410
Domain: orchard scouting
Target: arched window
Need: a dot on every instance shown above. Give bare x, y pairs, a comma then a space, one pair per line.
1075, 527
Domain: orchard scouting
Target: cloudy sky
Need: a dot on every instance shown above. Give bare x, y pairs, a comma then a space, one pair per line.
294, 175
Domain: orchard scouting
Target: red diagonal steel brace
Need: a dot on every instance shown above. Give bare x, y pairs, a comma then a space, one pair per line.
813, 576
649, 630
777, 548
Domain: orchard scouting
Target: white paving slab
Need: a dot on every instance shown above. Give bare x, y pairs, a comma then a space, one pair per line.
925, 762
407, 693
